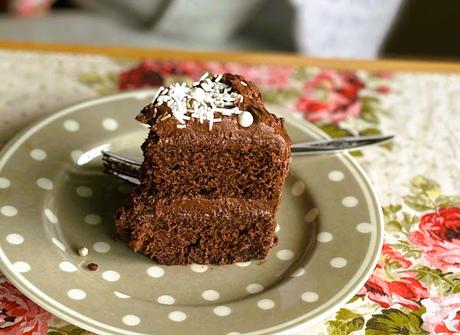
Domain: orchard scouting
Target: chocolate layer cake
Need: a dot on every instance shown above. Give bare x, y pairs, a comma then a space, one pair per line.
215, 161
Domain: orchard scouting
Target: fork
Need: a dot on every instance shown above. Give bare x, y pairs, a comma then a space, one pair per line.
127, 169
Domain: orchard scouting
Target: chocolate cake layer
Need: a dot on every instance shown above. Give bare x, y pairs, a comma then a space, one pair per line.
198, 230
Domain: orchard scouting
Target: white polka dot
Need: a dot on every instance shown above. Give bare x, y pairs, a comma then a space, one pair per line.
8, 210
222, 310
45, 184
210, 295
177, 316
58, 244
254, 288
111, 275
21, 267
243, 264
338, 262
311, 215
93, 219
324, 237
131, 320
309, 296
298, 188
121, 295
71, 125
15, 239
101, 247
110, 124
349, 201
50, 215
199, 268
75, 155
285, 254
364, 227
298, 273
84, 191
335, 175
278, 228
166, 300
155, 272
67, 267
76, 294
38, 154
266, 304
4, 182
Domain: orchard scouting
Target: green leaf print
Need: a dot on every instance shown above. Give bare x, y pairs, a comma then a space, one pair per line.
345, 323
419, 202
68, 330
420, 185
280, 96
448, 201
394, 322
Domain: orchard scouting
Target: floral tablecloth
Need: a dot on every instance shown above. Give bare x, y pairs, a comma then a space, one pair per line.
415, 288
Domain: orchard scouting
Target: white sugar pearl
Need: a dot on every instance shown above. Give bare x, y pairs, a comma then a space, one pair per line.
177, 316
131, 320
83, 251
245, 119
76, 294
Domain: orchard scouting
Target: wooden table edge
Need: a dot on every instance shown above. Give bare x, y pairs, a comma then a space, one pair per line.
241, 57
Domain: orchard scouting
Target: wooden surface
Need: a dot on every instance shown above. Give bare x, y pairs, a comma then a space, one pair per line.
243, 57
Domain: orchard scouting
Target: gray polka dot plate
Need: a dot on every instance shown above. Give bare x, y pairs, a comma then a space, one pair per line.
54, 199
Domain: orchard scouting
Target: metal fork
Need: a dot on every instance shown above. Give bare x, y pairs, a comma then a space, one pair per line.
127, 169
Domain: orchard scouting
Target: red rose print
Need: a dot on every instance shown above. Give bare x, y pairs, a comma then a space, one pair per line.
331, 96
19, 315
439, 239
442, 315
404, 290
150, 73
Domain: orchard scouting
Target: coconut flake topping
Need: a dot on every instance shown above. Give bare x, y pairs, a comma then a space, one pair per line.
201, 101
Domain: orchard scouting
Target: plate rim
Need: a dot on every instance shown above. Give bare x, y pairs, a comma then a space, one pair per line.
290, 326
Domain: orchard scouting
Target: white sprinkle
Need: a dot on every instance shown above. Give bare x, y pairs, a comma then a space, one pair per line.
204, 76
244, 83
218, 78
83, 251
165, 117
181, 126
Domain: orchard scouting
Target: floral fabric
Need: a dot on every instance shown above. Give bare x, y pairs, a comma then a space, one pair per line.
415, 287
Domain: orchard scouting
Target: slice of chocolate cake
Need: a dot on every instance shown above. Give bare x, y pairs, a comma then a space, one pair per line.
214, 165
